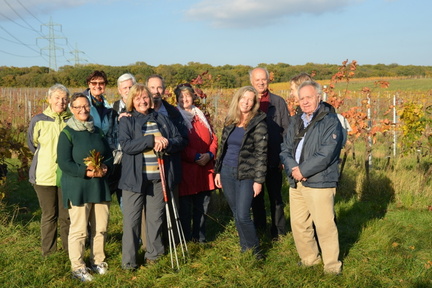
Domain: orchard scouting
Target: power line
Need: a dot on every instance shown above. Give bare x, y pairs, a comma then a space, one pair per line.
29, 11
19, 41
31, 27
11, 41
19, 55
51, 37
52, 47
10, 19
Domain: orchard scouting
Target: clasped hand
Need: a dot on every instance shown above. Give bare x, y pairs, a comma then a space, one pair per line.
160, 143
203, 159
297, 175
91, 172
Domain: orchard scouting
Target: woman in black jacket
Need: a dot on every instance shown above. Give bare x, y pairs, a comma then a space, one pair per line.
241, 167
141, 135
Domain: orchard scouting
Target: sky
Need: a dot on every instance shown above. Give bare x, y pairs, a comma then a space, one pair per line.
55, 33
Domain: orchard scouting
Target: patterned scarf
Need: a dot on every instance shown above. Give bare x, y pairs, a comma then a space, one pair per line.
78, 125
189, 116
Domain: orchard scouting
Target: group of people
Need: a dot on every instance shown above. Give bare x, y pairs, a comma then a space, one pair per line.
85, 151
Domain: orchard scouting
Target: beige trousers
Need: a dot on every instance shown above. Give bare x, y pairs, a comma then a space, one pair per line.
97, 215
312, 211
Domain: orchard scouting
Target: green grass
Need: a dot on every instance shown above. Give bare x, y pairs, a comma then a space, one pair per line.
385, 241
396, 84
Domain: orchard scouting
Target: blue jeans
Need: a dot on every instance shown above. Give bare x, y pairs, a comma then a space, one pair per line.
239, 195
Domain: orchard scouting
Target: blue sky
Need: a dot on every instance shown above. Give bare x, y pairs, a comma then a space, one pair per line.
236, 32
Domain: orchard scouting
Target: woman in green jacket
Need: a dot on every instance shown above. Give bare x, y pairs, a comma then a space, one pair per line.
42, 138
85, 188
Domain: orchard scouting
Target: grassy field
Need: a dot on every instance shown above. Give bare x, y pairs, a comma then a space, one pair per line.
356, 84
384, 229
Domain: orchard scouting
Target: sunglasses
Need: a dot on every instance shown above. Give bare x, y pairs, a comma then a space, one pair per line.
95, 83
184, 85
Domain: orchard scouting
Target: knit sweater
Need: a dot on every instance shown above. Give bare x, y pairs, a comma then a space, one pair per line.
76, 186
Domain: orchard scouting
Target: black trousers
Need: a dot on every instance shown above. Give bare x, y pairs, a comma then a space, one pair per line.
273, 187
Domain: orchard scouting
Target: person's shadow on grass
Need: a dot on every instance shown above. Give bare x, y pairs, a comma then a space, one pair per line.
371, 200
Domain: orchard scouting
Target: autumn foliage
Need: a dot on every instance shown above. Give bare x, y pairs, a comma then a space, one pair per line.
94, 161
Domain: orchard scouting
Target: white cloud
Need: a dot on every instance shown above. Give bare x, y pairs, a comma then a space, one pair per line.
247, 13
13, 9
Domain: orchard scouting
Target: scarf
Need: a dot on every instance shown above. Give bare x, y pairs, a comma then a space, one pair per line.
97, 103
77, 125
189, 116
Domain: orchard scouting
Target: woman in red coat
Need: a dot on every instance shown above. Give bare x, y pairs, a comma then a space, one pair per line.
197, 166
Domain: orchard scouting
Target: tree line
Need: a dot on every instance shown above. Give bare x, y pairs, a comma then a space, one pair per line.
226, 76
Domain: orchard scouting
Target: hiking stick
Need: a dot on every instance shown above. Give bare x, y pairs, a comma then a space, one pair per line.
181, 235
171, 239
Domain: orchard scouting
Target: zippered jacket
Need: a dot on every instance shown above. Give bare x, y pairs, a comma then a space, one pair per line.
252, 161
42, 139
133, 143
320, 153
107, 122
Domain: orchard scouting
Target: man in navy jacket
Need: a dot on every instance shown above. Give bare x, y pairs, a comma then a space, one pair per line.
310, 155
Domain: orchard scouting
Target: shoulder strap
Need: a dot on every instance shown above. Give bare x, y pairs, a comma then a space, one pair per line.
68, 135
303, 131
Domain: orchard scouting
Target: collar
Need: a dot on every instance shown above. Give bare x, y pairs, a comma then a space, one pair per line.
265, 96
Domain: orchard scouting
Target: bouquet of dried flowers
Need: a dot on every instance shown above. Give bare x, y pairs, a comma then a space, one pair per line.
94, 162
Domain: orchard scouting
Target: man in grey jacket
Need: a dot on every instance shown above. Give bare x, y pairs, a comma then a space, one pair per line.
310, 155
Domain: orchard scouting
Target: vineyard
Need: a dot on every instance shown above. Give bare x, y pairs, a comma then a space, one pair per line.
388, 116
383, 201
368, 110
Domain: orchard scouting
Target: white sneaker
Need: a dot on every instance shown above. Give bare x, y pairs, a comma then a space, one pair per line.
82, 274
101, 268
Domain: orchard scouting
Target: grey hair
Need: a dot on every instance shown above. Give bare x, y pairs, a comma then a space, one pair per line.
265, 70
58, 87
312, 83
125, 77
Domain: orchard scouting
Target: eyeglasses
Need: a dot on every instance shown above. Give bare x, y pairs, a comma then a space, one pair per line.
95, 83
79, 108
184, 85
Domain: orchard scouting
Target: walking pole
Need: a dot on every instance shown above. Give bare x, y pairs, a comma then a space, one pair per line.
181, 235
171, 240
